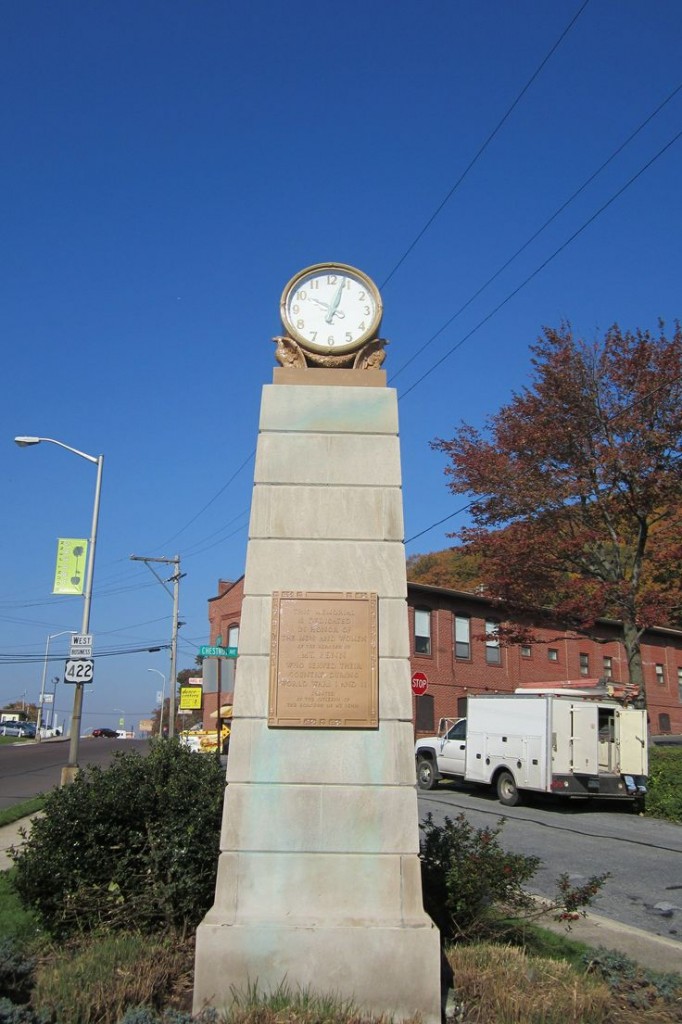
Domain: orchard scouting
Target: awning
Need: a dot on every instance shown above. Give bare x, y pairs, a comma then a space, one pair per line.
225, 711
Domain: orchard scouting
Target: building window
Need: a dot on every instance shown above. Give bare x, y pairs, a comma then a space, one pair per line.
660, 675
679, 684
422, 631
552, 654
525, 650
424, 714
608, 666
664, 722
492, 644
584, 664
462, 637
233, 636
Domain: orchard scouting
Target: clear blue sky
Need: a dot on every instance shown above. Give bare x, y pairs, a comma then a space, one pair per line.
168, 166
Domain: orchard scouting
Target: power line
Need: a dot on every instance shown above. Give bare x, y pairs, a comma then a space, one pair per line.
539, 231
485, 145
542, 266
404, 256
209, 503
444, 520
33, 659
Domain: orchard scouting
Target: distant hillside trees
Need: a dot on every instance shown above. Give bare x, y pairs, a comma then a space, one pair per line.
454, 568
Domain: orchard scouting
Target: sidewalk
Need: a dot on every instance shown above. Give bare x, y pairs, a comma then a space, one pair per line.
9, 836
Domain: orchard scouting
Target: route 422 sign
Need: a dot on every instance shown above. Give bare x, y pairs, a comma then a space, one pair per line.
79, 670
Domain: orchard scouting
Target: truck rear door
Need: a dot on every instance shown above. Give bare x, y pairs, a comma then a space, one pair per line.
631, 741
584, 739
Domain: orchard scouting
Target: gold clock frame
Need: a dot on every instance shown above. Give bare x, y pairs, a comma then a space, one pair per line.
311, 346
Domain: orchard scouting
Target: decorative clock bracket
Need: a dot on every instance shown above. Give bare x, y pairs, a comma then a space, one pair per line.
369, 357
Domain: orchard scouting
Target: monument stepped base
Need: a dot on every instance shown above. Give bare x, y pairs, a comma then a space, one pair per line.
378, 967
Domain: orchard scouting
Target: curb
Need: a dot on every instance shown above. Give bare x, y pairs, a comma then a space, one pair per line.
653, 951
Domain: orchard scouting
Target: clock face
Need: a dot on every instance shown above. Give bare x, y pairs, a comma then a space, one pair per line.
331, 308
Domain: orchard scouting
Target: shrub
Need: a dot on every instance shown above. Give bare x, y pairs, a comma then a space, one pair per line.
469, 881
664, 797
134, 844
465, 871
640, 984
10, 1013
16, 971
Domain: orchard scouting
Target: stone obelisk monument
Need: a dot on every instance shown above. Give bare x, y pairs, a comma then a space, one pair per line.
319, 879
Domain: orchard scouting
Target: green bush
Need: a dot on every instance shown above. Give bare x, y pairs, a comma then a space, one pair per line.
470, 883
664, 797
132, 845
465, 872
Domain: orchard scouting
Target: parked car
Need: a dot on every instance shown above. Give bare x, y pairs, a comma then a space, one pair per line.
27, 730
110, 734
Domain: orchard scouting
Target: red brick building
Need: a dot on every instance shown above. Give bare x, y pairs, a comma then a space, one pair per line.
448, 644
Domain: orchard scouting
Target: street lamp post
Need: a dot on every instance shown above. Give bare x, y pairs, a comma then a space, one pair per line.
163, 697
69, 771
53, 718
52, 636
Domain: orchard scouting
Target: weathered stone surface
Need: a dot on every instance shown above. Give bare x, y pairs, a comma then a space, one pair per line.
295, 409
318, 879
357, 513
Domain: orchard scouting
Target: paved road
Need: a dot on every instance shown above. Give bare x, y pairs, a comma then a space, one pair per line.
643, 855
27, 769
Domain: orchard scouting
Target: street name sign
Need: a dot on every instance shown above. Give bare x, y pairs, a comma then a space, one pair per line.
217, 652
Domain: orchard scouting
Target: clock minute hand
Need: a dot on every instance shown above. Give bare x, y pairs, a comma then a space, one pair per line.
334, 304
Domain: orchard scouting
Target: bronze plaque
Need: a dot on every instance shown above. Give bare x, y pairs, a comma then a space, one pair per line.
324, 660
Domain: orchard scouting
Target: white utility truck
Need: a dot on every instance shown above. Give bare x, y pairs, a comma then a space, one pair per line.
541, 743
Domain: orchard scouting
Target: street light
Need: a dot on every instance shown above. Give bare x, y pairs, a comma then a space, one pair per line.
69, 771
52, 636
163, 697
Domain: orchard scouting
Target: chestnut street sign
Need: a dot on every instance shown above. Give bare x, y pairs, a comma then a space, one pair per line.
217, 652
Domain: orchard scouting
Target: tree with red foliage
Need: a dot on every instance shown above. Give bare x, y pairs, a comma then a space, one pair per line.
577, 487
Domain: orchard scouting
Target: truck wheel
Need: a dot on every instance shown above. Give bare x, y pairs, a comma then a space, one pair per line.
507, 793
426, 776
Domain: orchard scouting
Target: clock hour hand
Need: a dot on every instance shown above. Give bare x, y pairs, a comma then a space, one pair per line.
325, 305
334, 305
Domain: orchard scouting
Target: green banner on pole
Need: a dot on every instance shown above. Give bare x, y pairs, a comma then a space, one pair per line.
69, 576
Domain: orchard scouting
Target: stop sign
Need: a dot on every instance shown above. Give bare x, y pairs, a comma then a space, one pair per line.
419, 683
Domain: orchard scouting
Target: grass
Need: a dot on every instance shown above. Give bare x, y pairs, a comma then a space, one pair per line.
506, 985
95, 980
534, 976
527, 975
17, 925
8, 815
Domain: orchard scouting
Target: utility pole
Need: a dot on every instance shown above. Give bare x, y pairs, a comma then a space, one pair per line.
175, 594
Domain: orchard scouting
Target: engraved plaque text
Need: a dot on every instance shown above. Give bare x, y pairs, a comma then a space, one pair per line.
324, 660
